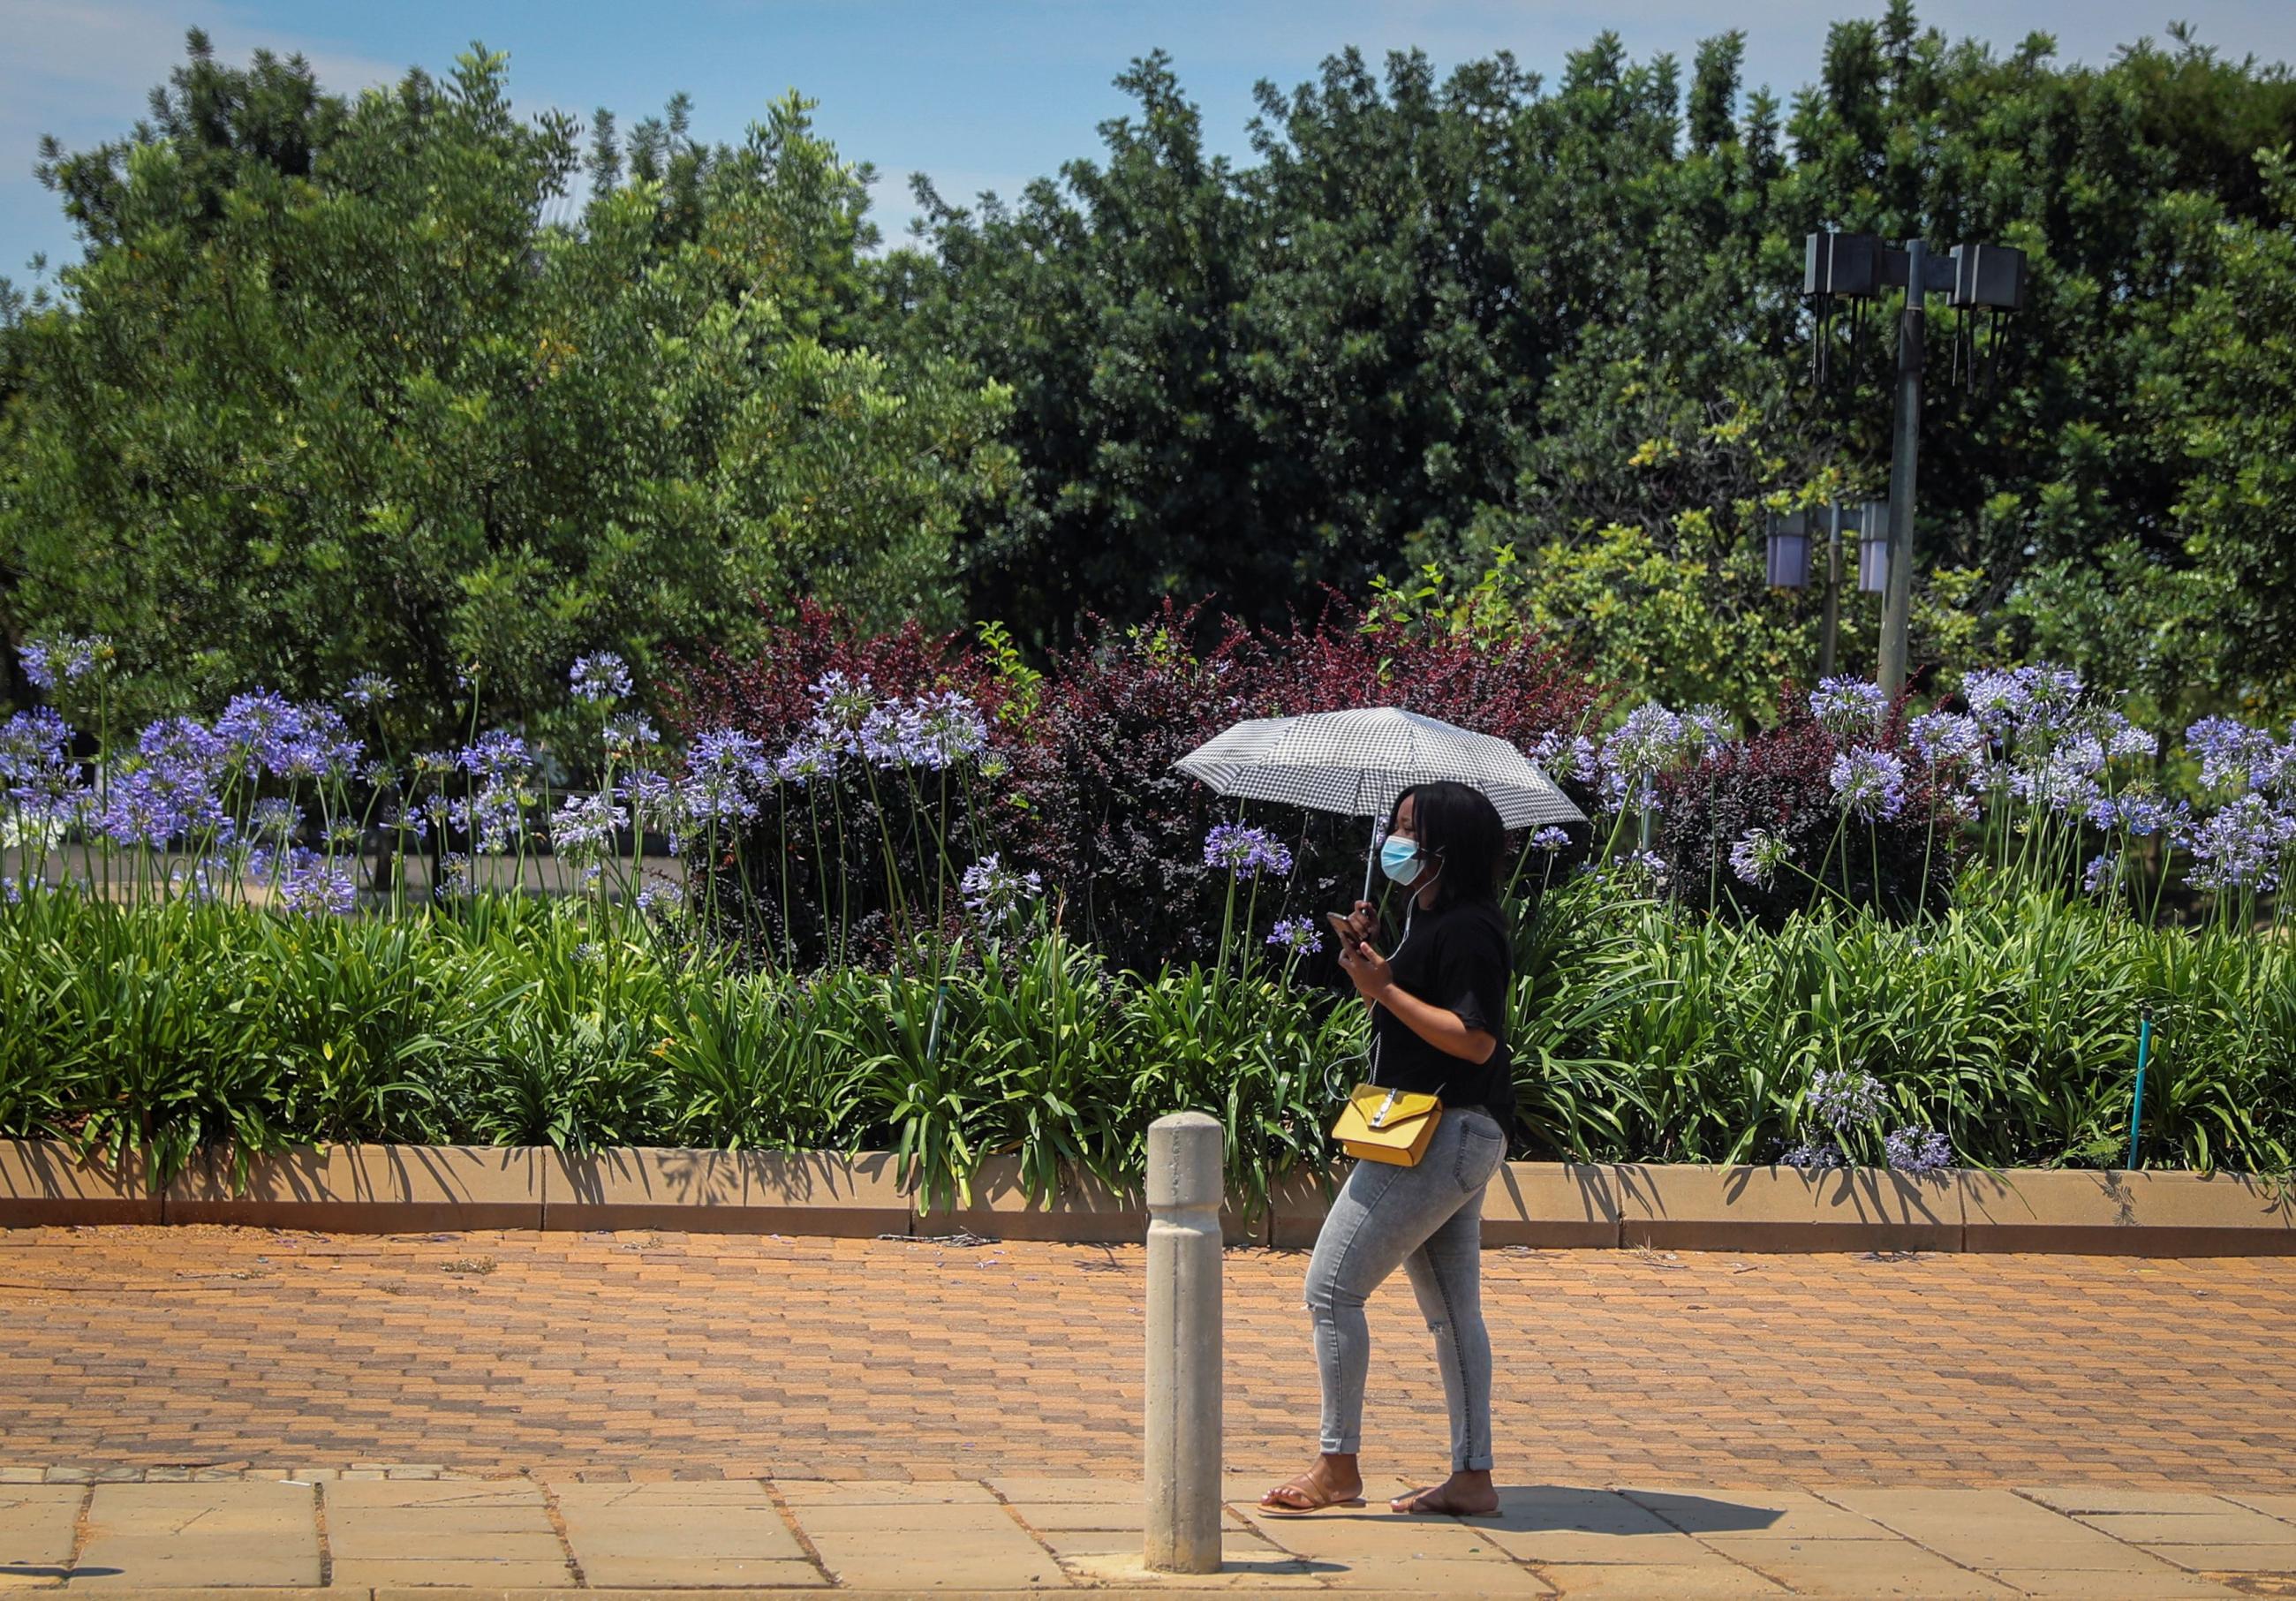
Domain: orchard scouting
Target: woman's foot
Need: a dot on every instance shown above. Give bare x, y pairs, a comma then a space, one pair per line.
1467, 1493
1334, 1482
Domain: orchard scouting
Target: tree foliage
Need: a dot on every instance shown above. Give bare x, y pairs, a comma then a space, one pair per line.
343, 384
1436, 320
331, 394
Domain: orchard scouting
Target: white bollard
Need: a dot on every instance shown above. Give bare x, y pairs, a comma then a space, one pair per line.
1183, 1345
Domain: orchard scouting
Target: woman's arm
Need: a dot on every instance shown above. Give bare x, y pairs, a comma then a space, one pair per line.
1444, 1029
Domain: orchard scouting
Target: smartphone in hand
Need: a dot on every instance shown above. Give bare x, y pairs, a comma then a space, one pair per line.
1341, 927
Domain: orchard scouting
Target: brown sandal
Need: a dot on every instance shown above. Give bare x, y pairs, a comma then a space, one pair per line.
1306, 1487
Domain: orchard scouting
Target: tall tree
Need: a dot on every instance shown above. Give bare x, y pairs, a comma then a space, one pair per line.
374, 415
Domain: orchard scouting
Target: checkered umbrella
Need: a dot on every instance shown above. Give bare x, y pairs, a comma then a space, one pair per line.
1357, 762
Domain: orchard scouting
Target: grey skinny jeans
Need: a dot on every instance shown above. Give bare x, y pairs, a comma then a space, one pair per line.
1428, 1218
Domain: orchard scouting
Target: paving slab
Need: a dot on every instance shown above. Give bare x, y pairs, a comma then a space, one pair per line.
961, 1568
2270, 1503
1860, 1568
2228, 1559
2227, 1525
36, 1524
364, 1495
465, 1571
675, 1534
1995, 1530
1664, 1547
1436, 1576
1043, 1491
2078, 1498
1378, 1535
1245, 1564
890, 1492
1628, 1581
219, 1533
1065, 1515
1754, 1514
2086, 1585
1555, 1523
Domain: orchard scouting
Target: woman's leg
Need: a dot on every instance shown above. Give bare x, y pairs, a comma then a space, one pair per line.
1447, 1275
1382, 1214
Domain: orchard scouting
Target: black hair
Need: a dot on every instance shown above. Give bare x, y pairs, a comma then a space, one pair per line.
1457, 825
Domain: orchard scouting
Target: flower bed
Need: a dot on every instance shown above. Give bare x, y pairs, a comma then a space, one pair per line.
941, 906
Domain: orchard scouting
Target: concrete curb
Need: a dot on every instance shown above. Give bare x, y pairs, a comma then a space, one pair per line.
387, 1189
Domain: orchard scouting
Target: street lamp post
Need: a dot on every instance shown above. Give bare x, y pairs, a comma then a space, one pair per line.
1857, 267
1832, 626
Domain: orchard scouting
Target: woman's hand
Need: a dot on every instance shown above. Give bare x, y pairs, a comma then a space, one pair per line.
1363, 922
1374, 978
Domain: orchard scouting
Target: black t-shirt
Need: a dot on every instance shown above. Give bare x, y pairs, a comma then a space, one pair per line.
1461, 959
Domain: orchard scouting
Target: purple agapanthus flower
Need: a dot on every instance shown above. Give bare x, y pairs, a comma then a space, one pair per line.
2124, 740
1869, 783
660, 897
2233, 755
1706, 731
1845, 1098
586, 823
140, 812
2100, 874
35, 772
1943, 737
805, 761
1551, 840
944, 729
842, 706
1757, 854
1811, 1157
1915, 1150
2140, 815
725, 769
498, 755
61, 659
1847, 708
494, 818
2242, 847
309, 885
652, 798
1647, 742
631, 733
1298, 935
604, 677
992, 891
1245, 852
1645, 864
2061, 782
1999, 700
369, 689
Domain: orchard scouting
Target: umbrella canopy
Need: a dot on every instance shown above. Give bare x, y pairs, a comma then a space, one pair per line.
1357, 762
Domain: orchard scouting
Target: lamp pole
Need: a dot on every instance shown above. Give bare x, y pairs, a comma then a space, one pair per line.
1897, 598
1832, 595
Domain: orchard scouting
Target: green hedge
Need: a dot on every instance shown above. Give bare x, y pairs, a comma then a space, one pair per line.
1642, 1033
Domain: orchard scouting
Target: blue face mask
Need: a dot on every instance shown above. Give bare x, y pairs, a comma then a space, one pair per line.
1399, 860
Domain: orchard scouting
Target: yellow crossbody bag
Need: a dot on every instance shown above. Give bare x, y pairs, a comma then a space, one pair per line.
1387, 1125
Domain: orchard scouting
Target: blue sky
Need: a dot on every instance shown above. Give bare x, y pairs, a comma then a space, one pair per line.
980, 93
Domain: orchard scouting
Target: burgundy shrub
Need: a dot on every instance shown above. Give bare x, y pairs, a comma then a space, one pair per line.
1091, 801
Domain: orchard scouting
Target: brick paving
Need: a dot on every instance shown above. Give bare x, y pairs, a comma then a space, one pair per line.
638, 1357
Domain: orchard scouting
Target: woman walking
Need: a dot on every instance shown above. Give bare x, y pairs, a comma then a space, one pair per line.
1438, 1027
